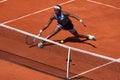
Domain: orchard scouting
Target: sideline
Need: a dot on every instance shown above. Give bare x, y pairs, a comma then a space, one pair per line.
96, 2
35, 12
1, 1
93, 69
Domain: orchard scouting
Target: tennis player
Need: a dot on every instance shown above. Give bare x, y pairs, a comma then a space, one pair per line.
64, 23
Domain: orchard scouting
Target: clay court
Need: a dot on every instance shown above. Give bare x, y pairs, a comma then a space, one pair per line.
91, 60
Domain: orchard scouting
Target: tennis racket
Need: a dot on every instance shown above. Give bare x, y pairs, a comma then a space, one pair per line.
31, 40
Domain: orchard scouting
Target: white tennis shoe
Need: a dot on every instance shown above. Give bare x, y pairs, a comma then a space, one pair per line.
91, 37
40, 45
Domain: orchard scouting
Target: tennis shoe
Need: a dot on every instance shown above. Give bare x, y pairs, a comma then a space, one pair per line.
40, 45
90, 37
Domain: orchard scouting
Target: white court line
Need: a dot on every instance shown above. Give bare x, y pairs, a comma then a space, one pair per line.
2, 1
103, 4
35, 12
98, 67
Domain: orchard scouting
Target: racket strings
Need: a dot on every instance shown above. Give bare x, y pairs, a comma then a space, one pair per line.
31, 40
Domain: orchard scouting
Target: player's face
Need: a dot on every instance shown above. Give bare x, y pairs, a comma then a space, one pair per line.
57, 11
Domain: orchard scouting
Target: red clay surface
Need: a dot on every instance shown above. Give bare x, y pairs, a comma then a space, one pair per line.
16, 72
102, 21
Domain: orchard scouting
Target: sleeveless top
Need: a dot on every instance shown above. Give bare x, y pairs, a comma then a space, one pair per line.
62, 19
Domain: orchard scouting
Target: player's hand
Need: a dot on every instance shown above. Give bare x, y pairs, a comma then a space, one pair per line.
40, 31
81, 21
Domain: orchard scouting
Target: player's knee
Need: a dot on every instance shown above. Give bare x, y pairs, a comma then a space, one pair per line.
77, 36
72, 31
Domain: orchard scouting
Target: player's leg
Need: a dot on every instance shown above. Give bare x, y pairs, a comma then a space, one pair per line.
57, 29
77, 35
71, 29
53, 33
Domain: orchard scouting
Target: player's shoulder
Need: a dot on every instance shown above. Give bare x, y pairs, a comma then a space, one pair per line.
65, 12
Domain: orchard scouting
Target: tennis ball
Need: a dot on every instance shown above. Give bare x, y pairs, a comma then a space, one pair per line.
62, 41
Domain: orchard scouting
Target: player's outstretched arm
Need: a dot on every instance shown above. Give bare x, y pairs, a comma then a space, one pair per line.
47, 25
76, 17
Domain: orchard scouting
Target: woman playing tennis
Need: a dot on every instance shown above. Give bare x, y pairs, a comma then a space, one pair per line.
64, 23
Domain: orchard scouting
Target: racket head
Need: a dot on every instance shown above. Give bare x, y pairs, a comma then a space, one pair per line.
29, 40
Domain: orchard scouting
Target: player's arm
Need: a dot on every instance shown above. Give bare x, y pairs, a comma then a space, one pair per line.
48, 23
76, 17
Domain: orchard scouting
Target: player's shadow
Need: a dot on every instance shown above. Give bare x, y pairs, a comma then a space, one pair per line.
76, 40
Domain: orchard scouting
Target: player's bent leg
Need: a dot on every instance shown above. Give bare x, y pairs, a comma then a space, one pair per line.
41, 43
53, 33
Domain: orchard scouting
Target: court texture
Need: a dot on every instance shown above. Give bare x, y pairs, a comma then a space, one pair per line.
72, 60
